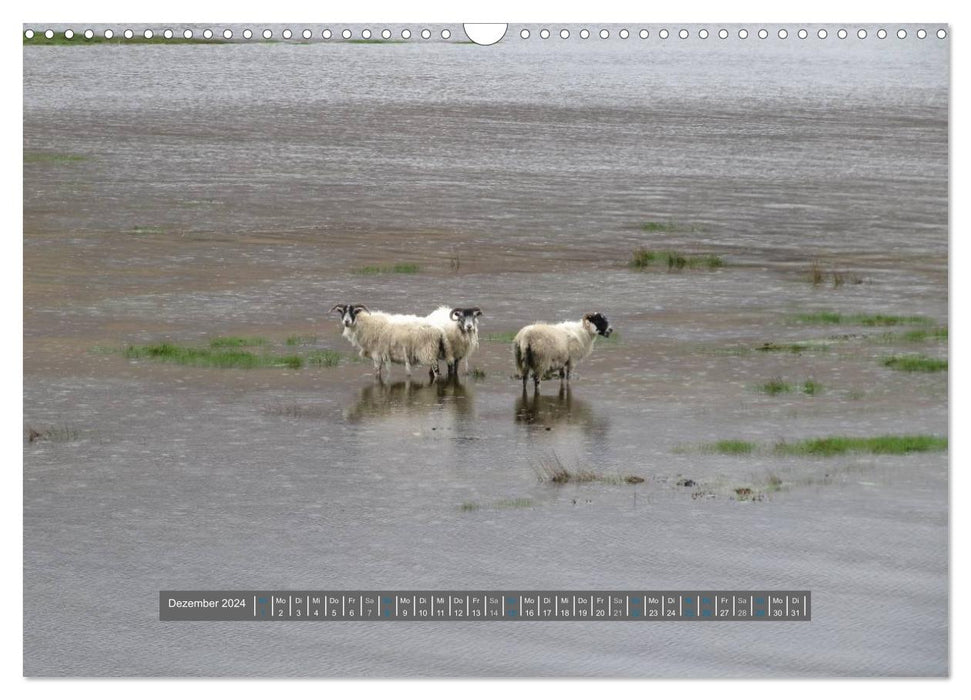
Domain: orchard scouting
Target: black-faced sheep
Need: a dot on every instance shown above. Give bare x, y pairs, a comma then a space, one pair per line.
390, 338
542, 348
461, 325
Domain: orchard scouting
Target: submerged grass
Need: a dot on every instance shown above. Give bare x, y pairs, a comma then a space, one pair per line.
642, 258
915, 363
48, 157
834, 318
324, 358
393, 269
731, 447
791, 347
237, 342
210, 357
56, 433
918, 335
776, 386
551, 470
670, 226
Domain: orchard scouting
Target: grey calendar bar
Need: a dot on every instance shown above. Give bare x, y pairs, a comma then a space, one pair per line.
481, 606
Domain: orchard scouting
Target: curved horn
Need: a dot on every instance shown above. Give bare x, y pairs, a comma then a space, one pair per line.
338, 307
455, 314
362, 306
476, 311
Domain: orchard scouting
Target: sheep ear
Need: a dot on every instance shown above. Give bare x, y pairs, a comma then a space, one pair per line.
455, 314
338, 308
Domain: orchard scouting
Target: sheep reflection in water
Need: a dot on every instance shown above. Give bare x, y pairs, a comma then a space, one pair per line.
545, 411
382, 399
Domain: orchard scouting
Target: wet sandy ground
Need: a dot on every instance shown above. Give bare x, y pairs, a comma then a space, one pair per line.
164, 476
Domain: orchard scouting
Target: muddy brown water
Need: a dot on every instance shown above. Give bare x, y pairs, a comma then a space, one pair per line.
235, 190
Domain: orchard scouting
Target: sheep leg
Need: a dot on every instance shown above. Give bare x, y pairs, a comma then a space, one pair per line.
408, 368
535, 380
525, 377
567, 372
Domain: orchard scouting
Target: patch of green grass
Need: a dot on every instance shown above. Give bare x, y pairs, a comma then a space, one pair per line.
237, 342
147, 229
915, 363
834, 318
477, 373
673, 260
501, 337
918, 335
324, 358
790, 347
301, 340
48, 157
393, 269
59, 39
811, 387
775, 386
731, 447
210, 357
469, 506
882, 445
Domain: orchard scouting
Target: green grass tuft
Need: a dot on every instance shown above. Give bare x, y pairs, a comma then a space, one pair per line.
731, 447
210, 357
915, 363
673, 260
394, 269
775, 386
811, 387
477, 373
882, 445
834, 318
790, 347
237, 342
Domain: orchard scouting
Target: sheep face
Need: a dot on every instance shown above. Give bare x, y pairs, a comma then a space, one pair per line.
599, 324
467, 319
349, 312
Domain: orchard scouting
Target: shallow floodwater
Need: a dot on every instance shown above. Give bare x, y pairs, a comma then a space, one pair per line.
182, 193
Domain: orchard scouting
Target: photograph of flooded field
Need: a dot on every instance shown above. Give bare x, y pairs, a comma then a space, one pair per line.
764, 222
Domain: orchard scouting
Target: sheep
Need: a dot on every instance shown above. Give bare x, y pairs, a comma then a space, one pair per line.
387, 338
542, 348
461, 325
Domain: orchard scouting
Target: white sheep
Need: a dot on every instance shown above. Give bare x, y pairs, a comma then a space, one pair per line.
461, 325
387, 338
542, 348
